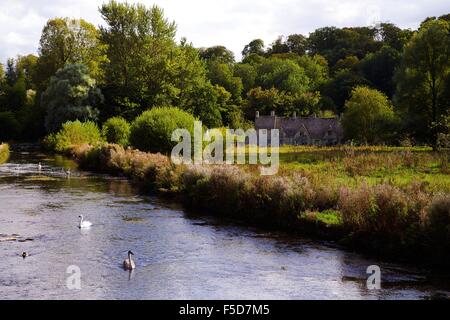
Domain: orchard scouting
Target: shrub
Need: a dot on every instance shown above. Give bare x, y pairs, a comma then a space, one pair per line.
116, 130
73, 133
152, 130
9, 126
4, 152
438, 222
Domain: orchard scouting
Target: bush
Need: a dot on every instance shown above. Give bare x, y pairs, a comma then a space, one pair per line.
4, 152
73, 133
152, 130
438, 223
9, 126
116, 130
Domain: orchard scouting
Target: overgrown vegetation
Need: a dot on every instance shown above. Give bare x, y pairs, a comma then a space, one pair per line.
392, 218
73, 133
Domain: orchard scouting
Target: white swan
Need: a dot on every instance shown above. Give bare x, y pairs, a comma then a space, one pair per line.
128, 264
39, 167
83, 224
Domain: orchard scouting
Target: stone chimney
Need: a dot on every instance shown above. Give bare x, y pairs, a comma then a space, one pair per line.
257, 114
294, 115
272, 113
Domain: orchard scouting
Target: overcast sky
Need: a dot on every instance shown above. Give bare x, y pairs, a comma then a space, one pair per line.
205, 23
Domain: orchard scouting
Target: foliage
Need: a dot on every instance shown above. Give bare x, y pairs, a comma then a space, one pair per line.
152, 130
71, 95
68, 41
368, 116
217, 53
9, 126
116, 130
4, 152
424, 80
73, 133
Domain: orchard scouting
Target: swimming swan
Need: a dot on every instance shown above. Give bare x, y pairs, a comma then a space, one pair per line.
83, 224
128, 264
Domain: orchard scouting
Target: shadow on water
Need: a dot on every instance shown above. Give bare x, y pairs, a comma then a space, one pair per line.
178, 256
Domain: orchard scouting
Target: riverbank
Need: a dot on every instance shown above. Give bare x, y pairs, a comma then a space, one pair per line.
408, 223
4, 152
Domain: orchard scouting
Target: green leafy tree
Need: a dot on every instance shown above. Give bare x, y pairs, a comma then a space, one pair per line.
254, 47
68, 41
71, 95
423, 80
9, 126
222, 74
368, 116
285, 75
335, 44
379, 68
297, 43
140, 41
217, 53
247, 73
338, 88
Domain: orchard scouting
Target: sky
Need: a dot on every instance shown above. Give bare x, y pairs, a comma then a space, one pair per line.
205, 23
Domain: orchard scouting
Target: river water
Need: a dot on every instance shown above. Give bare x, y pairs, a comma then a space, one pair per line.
178, 255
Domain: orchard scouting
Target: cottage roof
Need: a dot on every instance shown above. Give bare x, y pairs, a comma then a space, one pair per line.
316, 127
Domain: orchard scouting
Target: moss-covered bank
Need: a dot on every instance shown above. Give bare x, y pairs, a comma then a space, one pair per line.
408, 224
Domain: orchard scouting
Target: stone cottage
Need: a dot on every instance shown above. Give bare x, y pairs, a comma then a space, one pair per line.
302, 131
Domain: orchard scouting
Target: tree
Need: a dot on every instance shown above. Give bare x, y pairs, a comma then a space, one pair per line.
265, 101
338, 88
392, 36
26, 66
424, 79
9, 127
71, 95
247, 73
379, 68
217, 53
335, 44
285, 75
316, 69
278, 46
68, 41
297, 43
222, 74
254, 47
368, 116
147, 68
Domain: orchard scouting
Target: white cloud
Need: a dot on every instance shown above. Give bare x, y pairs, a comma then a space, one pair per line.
232, 23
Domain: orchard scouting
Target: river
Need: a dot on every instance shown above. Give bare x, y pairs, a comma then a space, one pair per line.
178, 255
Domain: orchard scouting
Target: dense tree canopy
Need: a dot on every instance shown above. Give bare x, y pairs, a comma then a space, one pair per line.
134, 59
71, 95
424, 79
368, 116
68, 41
